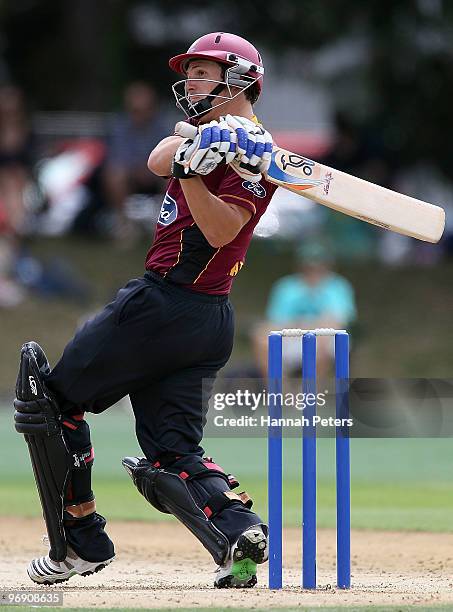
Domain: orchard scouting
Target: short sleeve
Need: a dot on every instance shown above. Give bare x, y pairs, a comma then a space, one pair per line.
252, 196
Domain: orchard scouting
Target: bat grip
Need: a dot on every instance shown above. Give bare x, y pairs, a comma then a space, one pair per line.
249, 168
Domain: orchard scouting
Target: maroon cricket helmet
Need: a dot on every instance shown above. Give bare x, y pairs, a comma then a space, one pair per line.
224, 48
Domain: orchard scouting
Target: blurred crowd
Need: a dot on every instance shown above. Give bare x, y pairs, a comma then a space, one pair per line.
98, 185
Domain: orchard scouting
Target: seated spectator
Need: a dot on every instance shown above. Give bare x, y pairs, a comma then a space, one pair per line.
313, 297
131, 137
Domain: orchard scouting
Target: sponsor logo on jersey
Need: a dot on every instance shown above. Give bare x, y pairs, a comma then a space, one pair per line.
236, 268
168, 211
256, 188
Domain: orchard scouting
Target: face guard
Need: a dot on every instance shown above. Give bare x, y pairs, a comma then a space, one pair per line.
236, 75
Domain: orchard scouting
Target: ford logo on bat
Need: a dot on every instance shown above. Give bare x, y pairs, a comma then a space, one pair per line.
257, 189
168, 211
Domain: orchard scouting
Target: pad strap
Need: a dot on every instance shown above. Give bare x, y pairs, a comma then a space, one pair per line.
82, 459
207, 468
222, 499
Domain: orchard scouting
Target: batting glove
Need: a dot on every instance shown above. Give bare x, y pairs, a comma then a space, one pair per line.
205, 148
253, 148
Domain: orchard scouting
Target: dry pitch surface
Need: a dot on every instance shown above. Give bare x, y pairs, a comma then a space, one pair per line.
162, 565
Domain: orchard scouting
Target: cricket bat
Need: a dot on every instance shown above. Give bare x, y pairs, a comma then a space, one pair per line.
356, 197
346, 193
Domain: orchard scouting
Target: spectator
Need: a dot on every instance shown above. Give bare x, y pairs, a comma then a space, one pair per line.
11, 294
15, 172
313, 297
131, 137
15, 157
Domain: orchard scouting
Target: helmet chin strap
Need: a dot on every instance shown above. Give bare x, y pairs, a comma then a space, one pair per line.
204, 105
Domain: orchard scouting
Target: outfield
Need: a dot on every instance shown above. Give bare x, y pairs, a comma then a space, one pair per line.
397, 484
399, 487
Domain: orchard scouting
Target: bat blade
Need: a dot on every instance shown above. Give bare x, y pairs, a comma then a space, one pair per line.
356, 197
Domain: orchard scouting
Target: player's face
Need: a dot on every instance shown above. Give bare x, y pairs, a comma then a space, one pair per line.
202, 77
200, 74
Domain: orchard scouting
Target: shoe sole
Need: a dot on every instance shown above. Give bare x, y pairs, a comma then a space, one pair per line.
48, 582
245, 558
246, 549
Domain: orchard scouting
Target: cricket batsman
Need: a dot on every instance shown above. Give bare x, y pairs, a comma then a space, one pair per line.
163, 338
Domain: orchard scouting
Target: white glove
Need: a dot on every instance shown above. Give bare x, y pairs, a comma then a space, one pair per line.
206, 146
253, 147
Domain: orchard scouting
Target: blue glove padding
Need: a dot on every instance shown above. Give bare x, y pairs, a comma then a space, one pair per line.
254, 143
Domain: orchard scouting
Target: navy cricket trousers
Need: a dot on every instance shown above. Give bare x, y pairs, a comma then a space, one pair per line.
155, 342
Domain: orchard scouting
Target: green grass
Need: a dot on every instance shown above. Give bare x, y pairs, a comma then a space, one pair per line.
377, 506
396, 484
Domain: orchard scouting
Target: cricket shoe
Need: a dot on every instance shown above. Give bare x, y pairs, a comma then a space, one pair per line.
44, 570
240, 569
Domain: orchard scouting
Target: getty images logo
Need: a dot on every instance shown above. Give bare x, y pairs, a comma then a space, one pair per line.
168, 211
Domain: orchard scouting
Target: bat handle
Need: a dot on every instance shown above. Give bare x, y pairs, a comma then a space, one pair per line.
247, 172
186, 130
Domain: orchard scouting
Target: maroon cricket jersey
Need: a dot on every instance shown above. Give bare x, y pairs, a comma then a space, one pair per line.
181, 253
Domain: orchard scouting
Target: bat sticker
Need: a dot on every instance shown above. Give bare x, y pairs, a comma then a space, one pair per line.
327, 180
297, 161
282, 162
